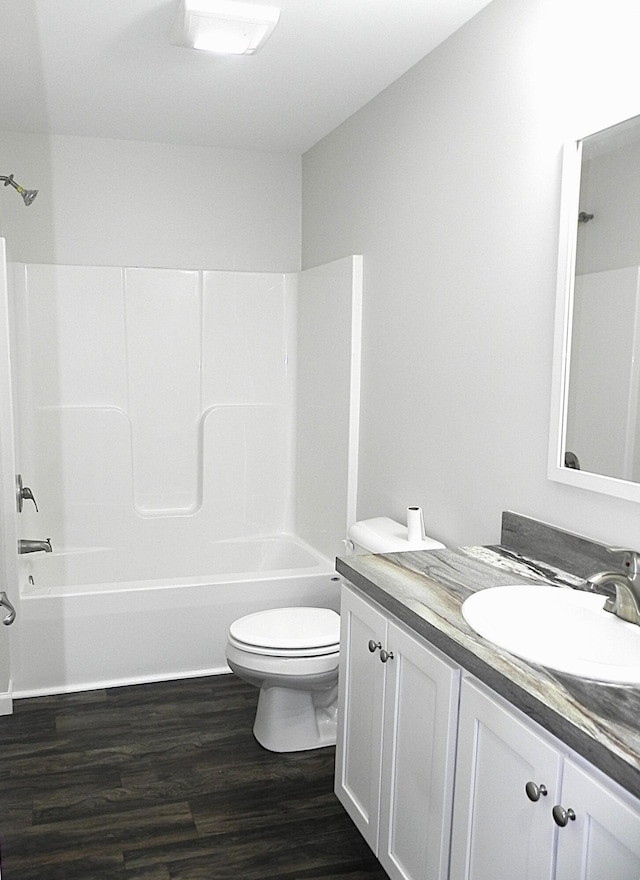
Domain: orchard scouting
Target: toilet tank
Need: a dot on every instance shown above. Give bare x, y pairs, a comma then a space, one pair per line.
384, 535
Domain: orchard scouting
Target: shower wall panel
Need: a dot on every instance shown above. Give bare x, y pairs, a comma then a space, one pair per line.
72, 335
153, 397
248, 322
163, 341
328, 402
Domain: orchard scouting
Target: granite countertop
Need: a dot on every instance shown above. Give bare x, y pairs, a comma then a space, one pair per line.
425, 590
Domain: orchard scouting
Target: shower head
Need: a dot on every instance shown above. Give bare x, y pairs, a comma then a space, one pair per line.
28, 195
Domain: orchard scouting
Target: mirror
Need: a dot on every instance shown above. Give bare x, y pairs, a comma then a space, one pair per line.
595, 417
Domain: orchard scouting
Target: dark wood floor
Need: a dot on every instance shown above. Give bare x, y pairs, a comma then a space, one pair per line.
166, 782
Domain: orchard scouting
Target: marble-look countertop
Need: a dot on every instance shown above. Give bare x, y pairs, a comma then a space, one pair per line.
425, 590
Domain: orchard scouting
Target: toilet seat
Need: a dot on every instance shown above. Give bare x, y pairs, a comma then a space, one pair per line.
288, 632
282, 652
292, 655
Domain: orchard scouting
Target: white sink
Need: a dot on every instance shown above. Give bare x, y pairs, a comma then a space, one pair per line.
563, 629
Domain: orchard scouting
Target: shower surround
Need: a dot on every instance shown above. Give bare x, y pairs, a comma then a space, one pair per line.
183, 431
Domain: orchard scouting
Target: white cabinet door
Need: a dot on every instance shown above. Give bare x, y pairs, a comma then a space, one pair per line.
603, 841
359, 741
498, 832
420, 717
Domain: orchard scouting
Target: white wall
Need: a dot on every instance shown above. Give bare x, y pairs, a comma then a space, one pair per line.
124, 203
448, 183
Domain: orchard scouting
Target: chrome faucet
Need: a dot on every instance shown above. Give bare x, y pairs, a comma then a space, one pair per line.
26, 546
626, 603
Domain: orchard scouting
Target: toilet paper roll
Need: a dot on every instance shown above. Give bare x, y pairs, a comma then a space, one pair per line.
415, 524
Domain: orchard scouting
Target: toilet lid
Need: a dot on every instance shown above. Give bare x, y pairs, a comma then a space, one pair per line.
288, 629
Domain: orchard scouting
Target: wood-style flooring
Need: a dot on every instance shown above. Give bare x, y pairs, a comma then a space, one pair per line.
166, 782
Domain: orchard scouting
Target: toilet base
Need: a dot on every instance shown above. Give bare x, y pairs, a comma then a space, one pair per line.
291, 720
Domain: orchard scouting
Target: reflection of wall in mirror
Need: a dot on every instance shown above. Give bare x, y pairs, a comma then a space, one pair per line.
604, 384
610, 190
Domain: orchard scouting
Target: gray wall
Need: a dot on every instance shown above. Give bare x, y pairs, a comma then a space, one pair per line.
128, 203
449, 184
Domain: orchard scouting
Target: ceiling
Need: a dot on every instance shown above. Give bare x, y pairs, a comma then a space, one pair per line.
105, 68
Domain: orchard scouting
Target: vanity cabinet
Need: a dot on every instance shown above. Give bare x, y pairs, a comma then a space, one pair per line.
510, 781
396, 740
604, 838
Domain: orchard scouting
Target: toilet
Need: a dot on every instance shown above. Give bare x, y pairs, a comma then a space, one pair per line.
292, 655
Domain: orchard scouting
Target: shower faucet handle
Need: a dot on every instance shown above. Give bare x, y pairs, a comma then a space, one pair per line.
5, 603
23, 493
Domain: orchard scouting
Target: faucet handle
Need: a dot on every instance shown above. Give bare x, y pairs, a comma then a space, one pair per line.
23, 493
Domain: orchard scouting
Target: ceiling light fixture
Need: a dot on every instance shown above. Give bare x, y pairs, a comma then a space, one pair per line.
223, 26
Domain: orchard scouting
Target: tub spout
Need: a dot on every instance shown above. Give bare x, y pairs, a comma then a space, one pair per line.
26, 546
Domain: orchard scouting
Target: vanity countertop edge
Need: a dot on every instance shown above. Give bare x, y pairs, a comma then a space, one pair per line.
425, 591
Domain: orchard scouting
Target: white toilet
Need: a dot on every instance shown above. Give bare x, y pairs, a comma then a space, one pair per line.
292, 655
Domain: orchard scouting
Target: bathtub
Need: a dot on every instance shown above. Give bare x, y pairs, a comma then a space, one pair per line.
88, 621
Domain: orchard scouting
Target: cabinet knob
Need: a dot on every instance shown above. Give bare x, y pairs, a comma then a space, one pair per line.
535, 791
561, 816
385, 655
374, 646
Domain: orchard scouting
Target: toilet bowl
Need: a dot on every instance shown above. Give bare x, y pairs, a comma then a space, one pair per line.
292, 655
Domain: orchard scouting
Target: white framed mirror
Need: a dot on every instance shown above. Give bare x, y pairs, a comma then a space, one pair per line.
595, 412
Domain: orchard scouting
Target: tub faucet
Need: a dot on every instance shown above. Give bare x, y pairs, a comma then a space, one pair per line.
25, 546
626, 603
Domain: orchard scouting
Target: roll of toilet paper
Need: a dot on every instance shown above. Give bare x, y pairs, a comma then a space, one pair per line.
415, 524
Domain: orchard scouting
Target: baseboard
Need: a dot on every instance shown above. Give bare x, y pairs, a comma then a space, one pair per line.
111, 683
6, 702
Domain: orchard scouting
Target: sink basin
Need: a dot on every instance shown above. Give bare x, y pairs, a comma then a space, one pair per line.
563, 629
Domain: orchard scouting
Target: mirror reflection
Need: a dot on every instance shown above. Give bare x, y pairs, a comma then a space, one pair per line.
602, 405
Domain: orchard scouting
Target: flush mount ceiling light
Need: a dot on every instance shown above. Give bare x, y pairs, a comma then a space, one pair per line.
223, 26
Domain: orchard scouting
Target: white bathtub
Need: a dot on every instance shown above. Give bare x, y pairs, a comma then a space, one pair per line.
84, 625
